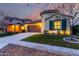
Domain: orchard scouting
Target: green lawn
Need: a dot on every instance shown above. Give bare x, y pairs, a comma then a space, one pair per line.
50, 40
77, 34
3, 34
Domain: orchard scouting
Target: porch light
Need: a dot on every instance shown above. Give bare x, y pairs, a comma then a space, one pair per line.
22, 28
25, 25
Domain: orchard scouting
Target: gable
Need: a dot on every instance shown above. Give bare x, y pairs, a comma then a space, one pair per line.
45, 16
60, 17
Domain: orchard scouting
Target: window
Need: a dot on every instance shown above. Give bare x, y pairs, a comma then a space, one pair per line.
57, 24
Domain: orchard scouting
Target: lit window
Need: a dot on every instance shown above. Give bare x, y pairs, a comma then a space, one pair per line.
57, 25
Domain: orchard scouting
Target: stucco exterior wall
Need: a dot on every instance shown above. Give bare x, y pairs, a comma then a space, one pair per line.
46, 26
58, 16
68, 25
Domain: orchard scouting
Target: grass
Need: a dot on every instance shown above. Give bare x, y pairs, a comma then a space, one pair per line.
50, 40
3, 34
77, 34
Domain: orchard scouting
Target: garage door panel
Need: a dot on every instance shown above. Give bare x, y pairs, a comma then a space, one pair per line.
34, 28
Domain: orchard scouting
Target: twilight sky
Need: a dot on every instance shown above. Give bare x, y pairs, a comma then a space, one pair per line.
32, 10
22, 10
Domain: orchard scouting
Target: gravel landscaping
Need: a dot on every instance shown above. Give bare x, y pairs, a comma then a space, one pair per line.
16, 50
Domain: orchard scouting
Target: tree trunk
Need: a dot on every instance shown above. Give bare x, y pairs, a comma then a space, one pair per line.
71, 34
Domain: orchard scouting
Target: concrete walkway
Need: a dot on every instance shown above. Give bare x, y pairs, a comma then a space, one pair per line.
14, 38
54, 49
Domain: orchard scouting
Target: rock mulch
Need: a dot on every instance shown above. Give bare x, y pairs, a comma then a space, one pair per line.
16, 50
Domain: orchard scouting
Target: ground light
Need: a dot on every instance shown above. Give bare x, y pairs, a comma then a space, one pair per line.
62, 32
53, 32
68, 32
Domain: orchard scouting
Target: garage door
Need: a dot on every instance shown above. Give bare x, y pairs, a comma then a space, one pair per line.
34, 28
14, 28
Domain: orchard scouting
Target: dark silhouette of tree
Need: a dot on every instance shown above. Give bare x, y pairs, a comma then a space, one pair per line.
2, 21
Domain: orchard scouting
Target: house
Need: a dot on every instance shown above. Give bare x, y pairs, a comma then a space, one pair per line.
52, 21
14, 24
56, 23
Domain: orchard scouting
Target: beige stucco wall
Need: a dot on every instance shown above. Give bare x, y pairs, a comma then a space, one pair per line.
46, 22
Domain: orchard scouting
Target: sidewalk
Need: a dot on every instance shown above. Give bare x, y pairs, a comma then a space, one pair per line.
14, 38
49, 48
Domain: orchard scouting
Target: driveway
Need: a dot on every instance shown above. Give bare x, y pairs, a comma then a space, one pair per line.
14, 38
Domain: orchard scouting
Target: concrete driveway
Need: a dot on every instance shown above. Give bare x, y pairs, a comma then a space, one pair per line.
14, 38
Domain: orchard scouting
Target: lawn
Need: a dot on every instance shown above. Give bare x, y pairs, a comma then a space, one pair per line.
3, 34
77, 34
50, 40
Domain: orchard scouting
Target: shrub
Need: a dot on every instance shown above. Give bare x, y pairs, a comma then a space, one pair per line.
76, 29
7, 34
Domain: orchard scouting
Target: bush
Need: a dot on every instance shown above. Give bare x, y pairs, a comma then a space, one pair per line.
76, 29
7, 34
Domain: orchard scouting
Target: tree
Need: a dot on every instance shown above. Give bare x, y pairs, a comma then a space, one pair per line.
70, 9
2, 21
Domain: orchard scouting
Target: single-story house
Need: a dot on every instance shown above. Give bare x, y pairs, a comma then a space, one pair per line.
56, 23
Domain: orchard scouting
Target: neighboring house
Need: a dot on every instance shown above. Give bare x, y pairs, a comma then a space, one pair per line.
15, 24
2, 27
55, 22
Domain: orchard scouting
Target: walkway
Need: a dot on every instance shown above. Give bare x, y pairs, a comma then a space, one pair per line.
14, 38
49, 48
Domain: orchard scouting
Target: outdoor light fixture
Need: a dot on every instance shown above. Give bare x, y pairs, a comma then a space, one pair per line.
67, 32
62, 32
53, 32
22, 27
